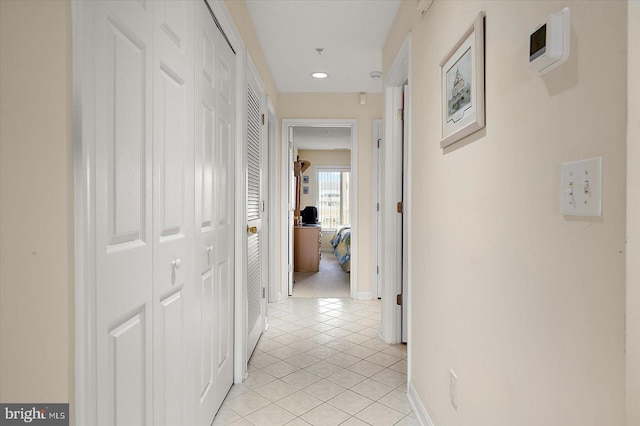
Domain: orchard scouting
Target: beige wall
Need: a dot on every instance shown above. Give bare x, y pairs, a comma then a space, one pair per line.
319, 158
242, 20
525, 305
633, 221
343, 106
36, 202
405, 18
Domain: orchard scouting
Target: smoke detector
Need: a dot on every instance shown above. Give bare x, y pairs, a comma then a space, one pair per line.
375, 75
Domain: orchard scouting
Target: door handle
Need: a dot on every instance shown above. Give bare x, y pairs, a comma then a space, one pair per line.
209, 251
252, 229
176, 263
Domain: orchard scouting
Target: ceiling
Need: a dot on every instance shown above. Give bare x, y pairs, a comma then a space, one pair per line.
322, 138
352, 33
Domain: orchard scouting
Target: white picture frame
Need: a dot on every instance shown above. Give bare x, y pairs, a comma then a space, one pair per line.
462, 81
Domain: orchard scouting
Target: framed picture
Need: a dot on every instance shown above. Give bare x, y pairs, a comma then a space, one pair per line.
305, 189
305, 179
462, 72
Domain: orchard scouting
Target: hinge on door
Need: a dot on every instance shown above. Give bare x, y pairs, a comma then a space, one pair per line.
262, 206
400, 114
379, 140
377, 269
263, 119
264, 292
377, 207
399, 207
399, 299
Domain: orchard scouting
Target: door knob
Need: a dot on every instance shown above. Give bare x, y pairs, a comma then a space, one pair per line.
209, 249
252, 229
176, 263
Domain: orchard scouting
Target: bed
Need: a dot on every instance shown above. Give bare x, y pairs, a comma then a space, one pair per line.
341, 242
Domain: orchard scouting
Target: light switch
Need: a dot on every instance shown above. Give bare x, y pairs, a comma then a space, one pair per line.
582, 188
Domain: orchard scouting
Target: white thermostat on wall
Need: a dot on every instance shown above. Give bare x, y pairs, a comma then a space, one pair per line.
549, 42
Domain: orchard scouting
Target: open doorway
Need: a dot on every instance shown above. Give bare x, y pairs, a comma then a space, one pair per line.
319, 171
322, 235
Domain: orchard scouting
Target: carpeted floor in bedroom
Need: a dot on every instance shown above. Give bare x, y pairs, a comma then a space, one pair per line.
329, 281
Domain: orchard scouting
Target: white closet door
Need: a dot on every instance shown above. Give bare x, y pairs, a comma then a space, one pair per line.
255, 309
173, 178
123, 212
214, 201
163, 114
224, 215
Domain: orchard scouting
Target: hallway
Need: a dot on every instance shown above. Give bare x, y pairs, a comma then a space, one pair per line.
321, 363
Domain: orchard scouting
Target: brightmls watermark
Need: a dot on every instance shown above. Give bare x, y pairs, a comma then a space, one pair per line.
36, 414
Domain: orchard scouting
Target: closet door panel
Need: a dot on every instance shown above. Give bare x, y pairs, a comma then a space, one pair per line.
224, 215
205, 135
122, 190
206, 374
214, 189
127, 349
224, 323
174, 288
170, 347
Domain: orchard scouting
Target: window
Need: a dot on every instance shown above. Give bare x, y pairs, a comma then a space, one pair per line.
333, 197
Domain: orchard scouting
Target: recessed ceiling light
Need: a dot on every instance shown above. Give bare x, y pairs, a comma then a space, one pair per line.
319, 75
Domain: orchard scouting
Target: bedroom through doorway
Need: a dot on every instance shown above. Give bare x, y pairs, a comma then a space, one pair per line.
322, 184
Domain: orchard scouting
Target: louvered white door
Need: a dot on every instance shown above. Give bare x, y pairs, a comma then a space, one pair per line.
255, 309
173, 162
122, 191
214, 257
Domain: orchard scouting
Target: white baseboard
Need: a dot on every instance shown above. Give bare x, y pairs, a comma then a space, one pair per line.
365, 295
418, 406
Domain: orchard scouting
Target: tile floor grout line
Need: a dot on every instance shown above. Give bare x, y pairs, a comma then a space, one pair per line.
354, 370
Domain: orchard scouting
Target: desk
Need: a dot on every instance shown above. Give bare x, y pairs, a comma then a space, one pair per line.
306, 248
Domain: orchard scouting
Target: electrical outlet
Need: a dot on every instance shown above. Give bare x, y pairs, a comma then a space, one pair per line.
452, 389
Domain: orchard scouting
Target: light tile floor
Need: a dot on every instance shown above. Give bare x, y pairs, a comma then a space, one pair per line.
321, 363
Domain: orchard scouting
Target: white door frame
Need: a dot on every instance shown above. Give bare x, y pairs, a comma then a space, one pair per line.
399, 74
353, 196
275, 291
84, 227
84, 204
376, 223
287, 219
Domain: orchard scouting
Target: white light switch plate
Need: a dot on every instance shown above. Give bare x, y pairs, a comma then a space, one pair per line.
582, 188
